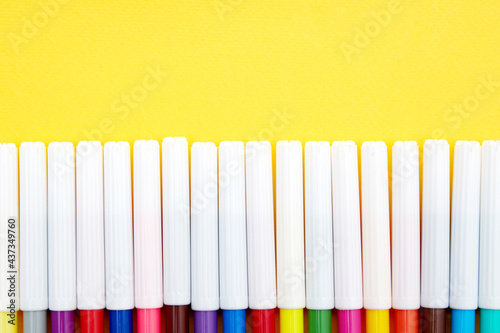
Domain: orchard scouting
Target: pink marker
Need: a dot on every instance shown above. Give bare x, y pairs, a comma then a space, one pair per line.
147, 236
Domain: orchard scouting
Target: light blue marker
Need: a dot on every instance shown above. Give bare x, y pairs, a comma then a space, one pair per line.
465, 236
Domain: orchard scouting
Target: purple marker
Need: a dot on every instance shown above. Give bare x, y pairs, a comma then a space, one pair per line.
62, 321
205, 321
204, 237
61, 236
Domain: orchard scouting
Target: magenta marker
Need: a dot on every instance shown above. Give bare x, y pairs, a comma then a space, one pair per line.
61, 236
347, 236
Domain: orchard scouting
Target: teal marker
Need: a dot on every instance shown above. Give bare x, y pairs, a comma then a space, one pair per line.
489, 265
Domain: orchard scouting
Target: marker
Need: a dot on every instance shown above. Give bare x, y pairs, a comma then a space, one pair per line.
62, 236
405, 236
347, 236
90, 278
465, 236
176, 234
204, 237
319, 236
119, 246
147, 236
9, 239
260, 236
435, 275
232, 237
489, 263
376, 236
290, 236
33, 212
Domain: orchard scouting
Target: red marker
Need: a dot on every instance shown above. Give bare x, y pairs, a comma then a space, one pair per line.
260, 236
90, 278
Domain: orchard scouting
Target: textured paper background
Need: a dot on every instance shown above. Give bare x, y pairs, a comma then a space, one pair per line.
232, 63
244, 70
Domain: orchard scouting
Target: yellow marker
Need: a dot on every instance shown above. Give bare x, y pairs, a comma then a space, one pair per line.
290, 236
376, 236
377, 321
8, 322
291, 320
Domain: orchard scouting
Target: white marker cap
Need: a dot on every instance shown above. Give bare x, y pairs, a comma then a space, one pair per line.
33, 212
290, 225
90, 277
9, 208
204, 228
260, 226
118, 226
435, 277
346, 226
405, 226
464, 266
376, 229
319, 226
147, 225
61, 222
176, 222
489, 260
232, 226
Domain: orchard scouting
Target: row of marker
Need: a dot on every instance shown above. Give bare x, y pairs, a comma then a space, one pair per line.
82, 246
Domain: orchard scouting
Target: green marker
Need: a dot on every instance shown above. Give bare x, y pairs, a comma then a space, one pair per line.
319, 236
320, 321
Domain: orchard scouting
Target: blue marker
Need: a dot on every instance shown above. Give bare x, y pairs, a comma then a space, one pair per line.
232, 237
119, 248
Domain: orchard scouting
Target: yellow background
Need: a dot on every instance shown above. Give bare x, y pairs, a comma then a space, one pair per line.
232, 66
231, 63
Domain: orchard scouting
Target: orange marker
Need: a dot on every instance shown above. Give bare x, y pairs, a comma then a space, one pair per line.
405, 236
